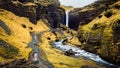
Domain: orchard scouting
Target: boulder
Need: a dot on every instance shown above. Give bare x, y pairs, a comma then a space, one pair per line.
69, 52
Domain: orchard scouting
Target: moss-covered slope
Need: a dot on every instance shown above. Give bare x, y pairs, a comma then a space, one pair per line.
102, 35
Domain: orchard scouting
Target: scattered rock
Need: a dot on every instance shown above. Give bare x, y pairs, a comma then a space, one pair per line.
30, 28
108, 14
69, 52
23, 25
49, 38
99, 16
117, 6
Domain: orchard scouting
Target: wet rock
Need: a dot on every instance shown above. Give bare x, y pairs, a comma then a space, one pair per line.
69, 52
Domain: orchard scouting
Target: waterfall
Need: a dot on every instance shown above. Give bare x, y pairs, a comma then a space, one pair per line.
67, 18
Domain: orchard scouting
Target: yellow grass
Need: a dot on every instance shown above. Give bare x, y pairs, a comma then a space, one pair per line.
58, 59
20, 37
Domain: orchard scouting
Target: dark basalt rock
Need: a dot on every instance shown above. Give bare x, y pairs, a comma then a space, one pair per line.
36, 10
108, 47
69, 52
54, 15
81, 16
108, 14
23, 25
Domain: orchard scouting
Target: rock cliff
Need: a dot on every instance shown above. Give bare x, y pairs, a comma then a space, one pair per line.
102, 34
84, 15
36, 10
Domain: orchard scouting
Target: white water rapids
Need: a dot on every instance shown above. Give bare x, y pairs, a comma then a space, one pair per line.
80, 53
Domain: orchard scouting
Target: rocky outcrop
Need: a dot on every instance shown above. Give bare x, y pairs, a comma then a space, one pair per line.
108, 47
36, 9
81, 16
69, 52
103, 38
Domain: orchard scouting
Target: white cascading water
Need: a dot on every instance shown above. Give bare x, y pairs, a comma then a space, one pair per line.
78, 51
67, 18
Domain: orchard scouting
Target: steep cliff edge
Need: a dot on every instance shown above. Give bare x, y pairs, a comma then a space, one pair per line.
36, 10
102, 34
84, 15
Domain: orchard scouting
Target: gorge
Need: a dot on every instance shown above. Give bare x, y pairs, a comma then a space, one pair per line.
46, 34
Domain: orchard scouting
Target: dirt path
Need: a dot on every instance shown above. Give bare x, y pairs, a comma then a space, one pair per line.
35, 54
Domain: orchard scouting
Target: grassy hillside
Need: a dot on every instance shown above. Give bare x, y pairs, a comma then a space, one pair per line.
100, 30
20, 36
20, 32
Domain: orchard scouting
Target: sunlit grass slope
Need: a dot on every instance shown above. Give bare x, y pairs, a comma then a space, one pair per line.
104, 21
20, 37
104, 25
58, 59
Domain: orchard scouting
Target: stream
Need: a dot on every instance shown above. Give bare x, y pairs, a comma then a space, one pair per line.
82, 53
35, 54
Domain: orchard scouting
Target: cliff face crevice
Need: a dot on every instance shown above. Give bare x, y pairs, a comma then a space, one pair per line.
36, 10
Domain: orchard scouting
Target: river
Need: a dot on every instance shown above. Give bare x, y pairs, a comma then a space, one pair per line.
82, 53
